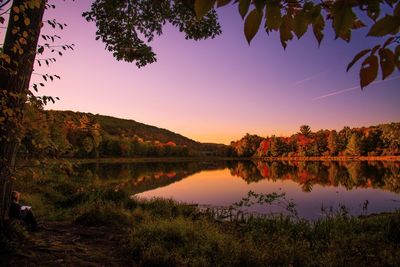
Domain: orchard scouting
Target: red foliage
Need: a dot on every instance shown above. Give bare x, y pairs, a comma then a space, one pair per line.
265, 171
265, 145
170, 143
303, 140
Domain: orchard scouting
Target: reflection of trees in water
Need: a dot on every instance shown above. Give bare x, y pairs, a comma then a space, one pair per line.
140, 177
351, 174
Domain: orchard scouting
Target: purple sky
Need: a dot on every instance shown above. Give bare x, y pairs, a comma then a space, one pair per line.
218, 90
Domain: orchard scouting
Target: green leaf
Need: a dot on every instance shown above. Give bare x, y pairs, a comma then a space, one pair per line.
397, 57
286, 29
357, 57
223, 2
343, 19
386, 25
368, 71
244, 7
273, 16
386, 62
202, 7
252, 24
300, 24
318, 27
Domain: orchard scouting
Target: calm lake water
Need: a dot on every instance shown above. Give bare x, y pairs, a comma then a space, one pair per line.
311, 185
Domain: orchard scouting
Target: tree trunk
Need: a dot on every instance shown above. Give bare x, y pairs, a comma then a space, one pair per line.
16, 68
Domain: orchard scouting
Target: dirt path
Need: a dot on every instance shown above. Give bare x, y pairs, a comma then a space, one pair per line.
64, 244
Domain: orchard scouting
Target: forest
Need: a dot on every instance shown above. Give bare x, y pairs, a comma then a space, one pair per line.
380, 140
67, 134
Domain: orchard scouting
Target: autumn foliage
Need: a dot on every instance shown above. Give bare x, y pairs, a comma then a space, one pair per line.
381, 140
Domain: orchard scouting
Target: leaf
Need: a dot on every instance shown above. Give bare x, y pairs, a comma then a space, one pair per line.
221, 3
244, 7
357, 57
397, 57
373, 50
252, 24
358, 24
286, 30
273, 15
386, 62
318, 27
388, 41
343, 19
27, 21
300, 24
16, 9
260, 4
386, 25
202, 7
368, 71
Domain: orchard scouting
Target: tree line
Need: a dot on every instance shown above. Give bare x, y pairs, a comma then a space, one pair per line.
380, 140
81, 135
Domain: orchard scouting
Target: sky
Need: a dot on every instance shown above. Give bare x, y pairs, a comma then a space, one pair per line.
218, 90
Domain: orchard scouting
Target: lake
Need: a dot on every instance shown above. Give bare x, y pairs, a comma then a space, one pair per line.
316, 188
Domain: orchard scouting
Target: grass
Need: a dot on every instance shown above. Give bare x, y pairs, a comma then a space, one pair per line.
160, 232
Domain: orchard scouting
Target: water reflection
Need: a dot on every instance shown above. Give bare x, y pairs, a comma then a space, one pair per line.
309, 184
352, 174
140, 177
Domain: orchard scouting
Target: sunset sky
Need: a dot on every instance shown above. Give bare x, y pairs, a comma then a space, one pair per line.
220, 89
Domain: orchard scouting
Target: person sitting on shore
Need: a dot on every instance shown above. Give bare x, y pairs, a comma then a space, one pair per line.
23, 213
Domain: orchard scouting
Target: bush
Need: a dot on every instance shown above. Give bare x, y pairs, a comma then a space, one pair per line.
104, 214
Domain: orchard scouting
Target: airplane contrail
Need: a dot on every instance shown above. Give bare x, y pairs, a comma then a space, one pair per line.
351, 89
308, 78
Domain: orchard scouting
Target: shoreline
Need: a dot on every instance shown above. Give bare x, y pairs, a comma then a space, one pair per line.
205, 159
335, 158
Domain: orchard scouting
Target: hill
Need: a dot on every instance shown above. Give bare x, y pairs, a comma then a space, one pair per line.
123, 127
77, 134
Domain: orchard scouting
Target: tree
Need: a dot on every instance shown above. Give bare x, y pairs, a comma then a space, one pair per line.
333, 143
305, 130
278, 147
354, 145
17, 58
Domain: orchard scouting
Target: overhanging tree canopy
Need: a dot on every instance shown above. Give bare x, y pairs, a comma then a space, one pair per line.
128, 27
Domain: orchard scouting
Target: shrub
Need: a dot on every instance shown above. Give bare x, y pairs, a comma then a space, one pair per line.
104, 214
